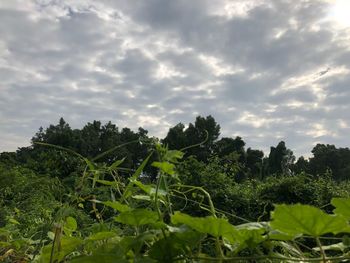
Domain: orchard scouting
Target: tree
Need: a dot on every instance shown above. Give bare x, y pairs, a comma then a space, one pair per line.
204, 130
227, 145
328, 157
176, 138
254, 162
301, 165
60, 134
280, 159
90, 139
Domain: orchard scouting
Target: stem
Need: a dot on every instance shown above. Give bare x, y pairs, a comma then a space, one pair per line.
323, 254
117, 187
216, 209
58, 229
156, 196
212, 211
168, 195
157, 203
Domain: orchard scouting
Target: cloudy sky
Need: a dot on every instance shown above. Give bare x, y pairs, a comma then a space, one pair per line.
265, 70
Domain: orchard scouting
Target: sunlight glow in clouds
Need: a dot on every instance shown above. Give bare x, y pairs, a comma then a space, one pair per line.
264, 69
340, 12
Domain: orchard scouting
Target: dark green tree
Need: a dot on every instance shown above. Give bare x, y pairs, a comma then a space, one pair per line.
301, 165
227, 145
328, 157
254, 163
204, 130
176, 138
280, 159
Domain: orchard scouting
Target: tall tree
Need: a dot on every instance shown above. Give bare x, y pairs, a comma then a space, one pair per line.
280, 159
328, 157
254, 162
176, 138
301, 165
60, 134
227, 145
204, 130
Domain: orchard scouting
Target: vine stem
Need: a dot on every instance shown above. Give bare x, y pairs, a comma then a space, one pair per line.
323, 254
56, 241
156, 201
213, 212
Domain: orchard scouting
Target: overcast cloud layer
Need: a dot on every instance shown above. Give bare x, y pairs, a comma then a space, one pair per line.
265, 70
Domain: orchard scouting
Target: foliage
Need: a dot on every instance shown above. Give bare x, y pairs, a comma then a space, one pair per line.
104, 195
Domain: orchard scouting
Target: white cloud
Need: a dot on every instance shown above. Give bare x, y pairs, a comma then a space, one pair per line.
266, 70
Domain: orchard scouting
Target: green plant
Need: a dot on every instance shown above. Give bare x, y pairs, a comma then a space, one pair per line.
141, 222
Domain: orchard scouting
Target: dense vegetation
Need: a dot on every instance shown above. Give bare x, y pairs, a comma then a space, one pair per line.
100, 194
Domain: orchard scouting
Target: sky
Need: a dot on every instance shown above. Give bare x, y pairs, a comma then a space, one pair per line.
265, 70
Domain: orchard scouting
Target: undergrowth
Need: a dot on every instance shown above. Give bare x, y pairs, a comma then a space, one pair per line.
134, 220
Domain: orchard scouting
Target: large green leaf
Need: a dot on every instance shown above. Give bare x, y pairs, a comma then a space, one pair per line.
101, 236
137, 217
67, 246
304, 219
180, 241
342, 206
166, 250
135, 244
251, 234
217, 227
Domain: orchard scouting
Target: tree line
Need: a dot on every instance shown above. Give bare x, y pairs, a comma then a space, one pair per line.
200, 140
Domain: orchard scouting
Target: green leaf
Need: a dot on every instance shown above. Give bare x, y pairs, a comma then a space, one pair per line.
70, 226
89, 164
116, 164
105, 182
166, 250
252, 226
51, 235
137, 217
181, 241
14, 221
134, 177
4, 244
101, 236
165, 167
117, 206
136, 243
173, 155
216, 227
142, 197
143, 187
251, 234
68, 245
304, 219
342, 206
